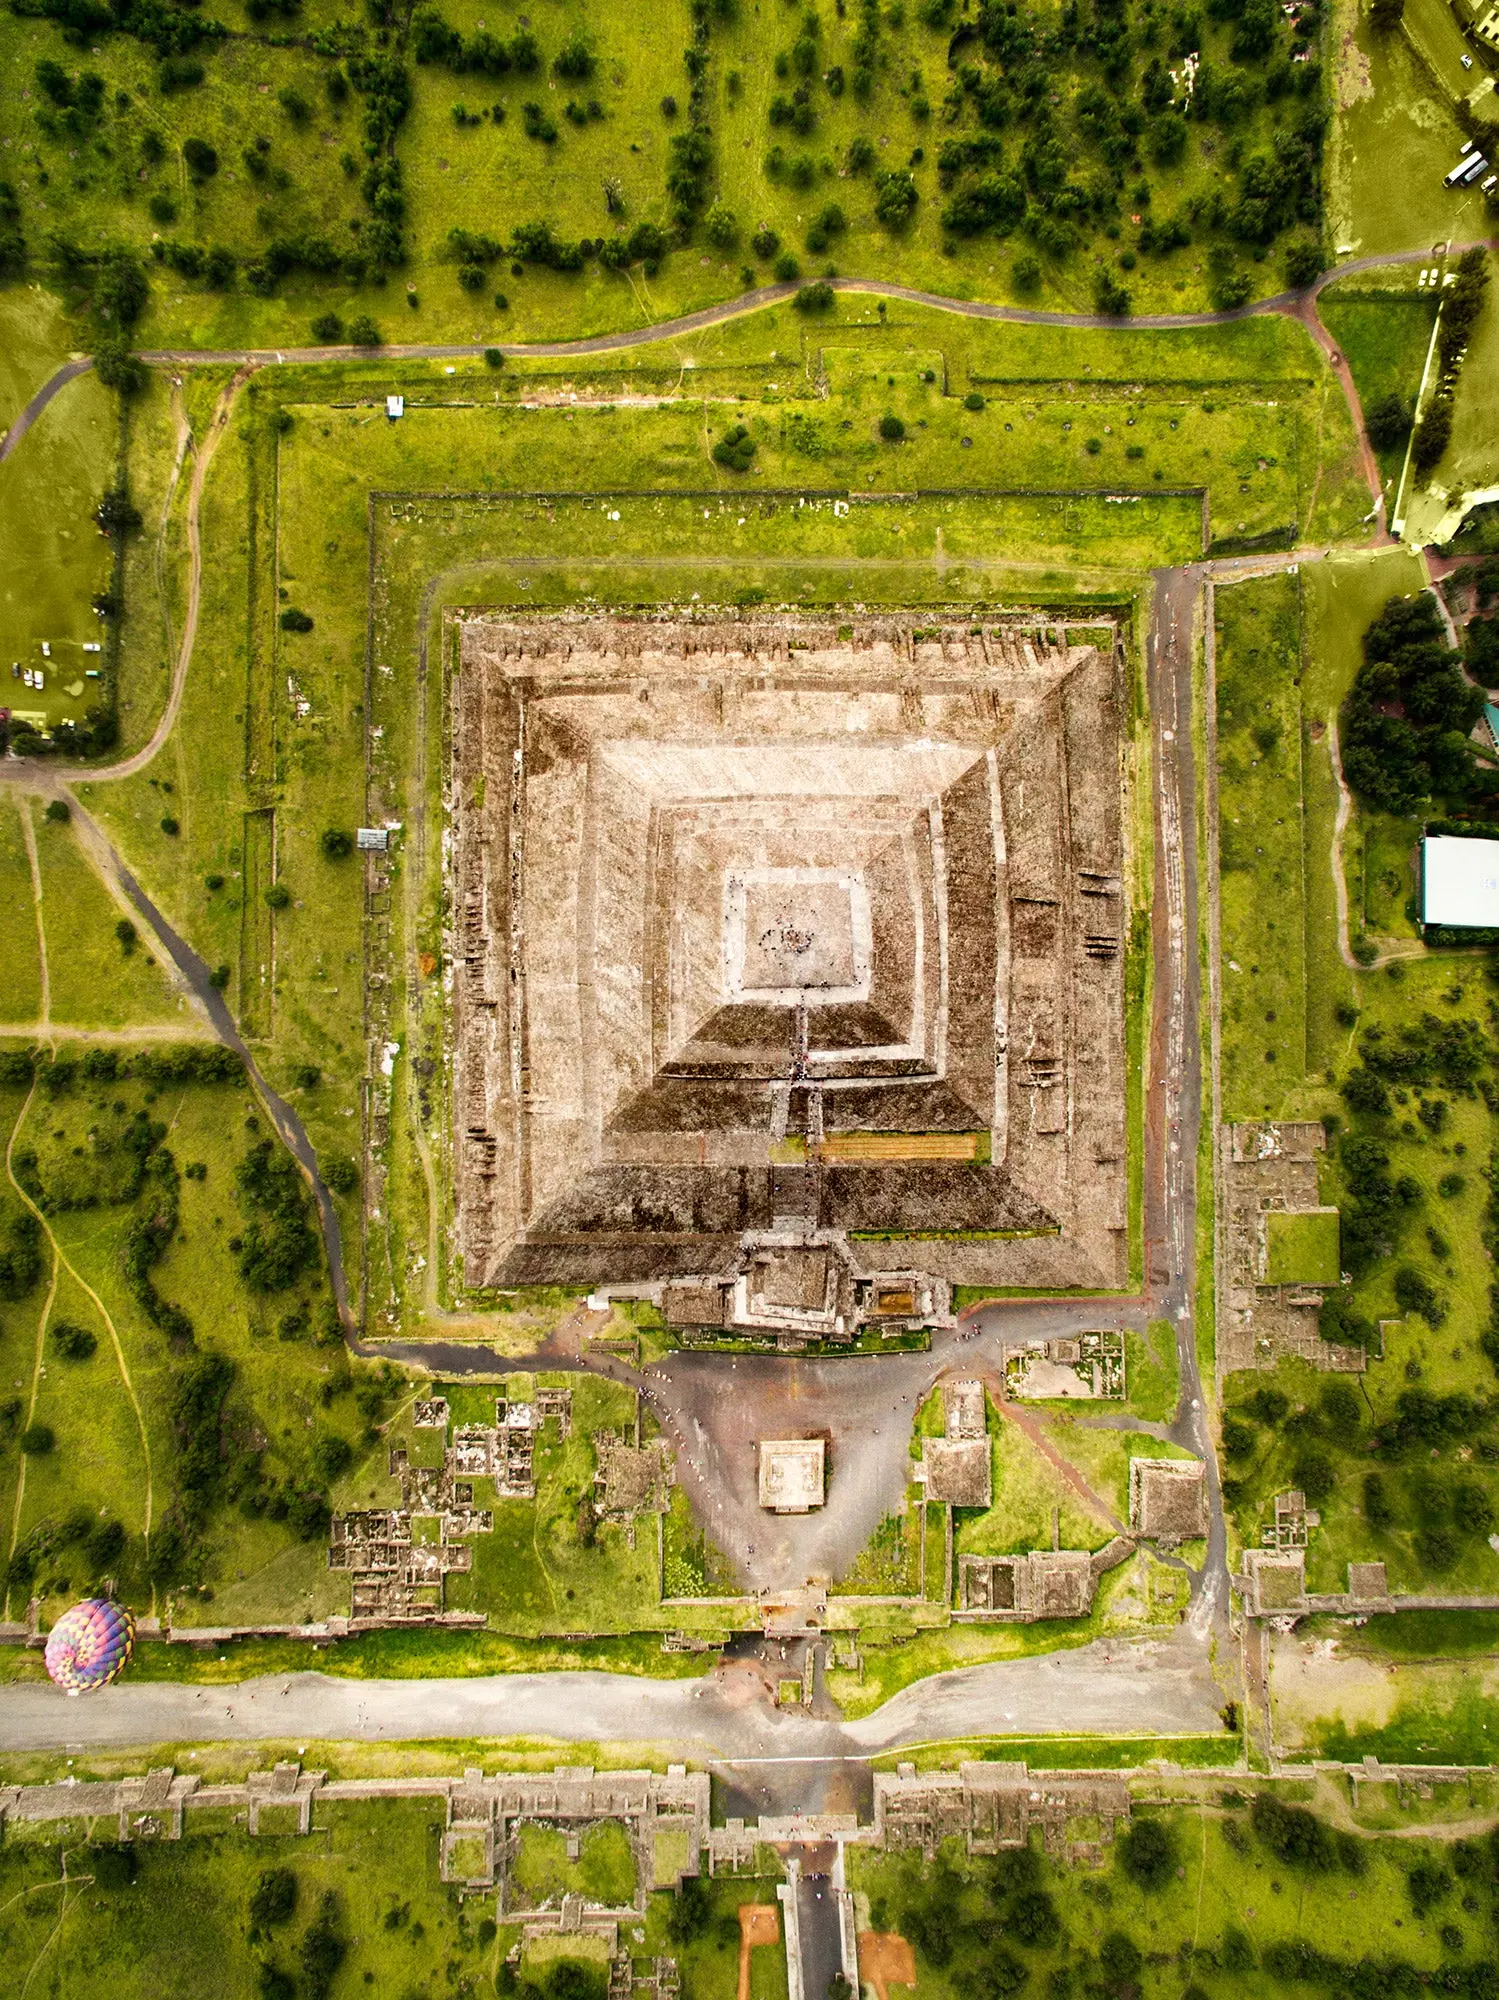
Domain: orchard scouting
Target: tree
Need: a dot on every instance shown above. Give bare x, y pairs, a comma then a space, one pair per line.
336, 843
363, 332
37, 1440
1386, 14
73, 1343
327, 329
721, 226
895, 197
293, 620
735, 449
323, 1947
1303, 264
59, 812
1147, 1853
892, 429
202, 160
1388, 421
1433, 435
274, 1898
814, 298
127, 934
1119, 1958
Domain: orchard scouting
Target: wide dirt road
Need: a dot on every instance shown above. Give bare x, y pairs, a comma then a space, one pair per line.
1106, 1689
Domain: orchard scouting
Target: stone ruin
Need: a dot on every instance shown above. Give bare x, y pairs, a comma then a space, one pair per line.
1082, 1365
993, 1806
788, 964
1042, 1583
957, 1468
1168, 1499
1269, 1169
398, 1576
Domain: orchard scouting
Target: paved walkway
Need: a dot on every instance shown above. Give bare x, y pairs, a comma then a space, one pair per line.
1123, 1689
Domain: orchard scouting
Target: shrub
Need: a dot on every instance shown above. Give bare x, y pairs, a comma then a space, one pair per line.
494, 357
895, 197
293, 620
786, 270
58, 811
327, 329
1314, 1472
973, 400
127, 934
336, 843
1147, 1853
274, 1898
814, 298
735, 449
1303, 264
341, 1175
892, 430
363, 332
721, 226
113, 1864
1027, 274
278, 896
202, 160
37, 1440
73, 1343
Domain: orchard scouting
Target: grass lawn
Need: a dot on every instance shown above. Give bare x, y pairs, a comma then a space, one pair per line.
289, 175
114, 1454
94, 981
55, 556
1225, 1880
1394, 137
20, 966
183, 1928
1302, 1249
603, 1874
1383, 325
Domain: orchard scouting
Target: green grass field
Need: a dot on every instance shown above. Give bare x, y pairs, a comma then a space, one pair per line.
111, 1415
118, 172
1302, 1250
1382, 321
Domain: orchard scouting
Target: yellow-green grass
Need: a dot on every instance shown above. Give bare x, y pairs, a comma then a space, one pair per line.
20, 967
1382, 323
36, 341
490, 177
1302, 1249
1388, 855
603, 1874
184, 1928
94, 982
1103, 1458
888, 1564
1395, 136
1029, 1492
99, 1460
536, 1574
155, 570
55, 556
1215, 1885
1261, 852
1151, 1372
1473, 458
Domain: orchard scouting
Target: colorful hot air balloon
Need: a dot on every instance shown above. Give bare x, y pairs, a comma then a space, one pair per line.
90, 1645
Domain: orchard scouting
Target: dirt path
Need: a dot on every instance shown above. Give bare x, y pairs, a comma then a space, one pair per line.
33, 860
61, 1261
39, 402
189, 1030
41, 1328
202, 460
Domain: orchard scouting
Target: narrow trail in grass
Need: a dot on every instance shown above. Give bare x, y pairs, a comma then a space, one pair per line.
202, 460
41, 1328
28, 834
191, 1029
62, 1262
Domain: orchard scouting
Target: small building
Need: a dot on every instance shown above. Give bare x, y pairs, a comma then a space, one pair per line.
1168, 1498
372, 840
792, 1474
958, 1471
1460, 882
395, 406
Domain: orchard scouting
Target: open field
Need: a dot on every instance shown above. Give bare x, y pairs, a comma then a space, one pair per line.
116, 1449
785, 140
